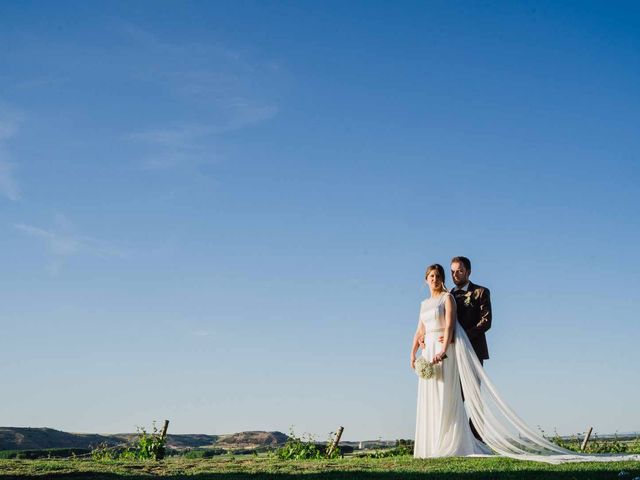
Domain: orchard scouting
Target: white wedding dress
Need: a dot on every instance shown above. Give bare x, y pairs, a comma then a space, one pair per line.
442, 418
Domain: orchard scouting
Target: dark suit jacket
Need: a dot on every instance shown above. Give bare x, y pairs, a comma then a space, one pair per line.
474, 314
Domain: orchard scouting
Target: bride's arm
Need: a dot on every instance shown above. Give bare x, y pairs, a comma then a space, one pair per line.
416, 342
449, 326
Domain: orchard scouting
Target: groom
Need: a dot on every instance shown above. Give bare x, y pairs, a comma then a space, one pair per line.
473, 303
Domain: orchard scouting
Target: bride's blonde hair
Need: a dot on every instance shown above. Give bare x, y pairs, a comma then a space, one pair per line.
438, 268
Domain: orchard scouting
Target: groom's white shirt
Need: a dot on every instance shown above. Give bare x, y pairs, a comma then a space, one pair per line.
464, 289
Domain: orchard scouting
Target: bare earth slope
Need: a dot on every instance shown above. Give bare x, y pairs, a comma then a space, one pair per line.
252, 439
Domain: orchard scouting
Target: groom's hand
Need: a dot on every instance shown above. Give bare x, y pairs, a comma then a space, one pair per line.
441, 340
421, 342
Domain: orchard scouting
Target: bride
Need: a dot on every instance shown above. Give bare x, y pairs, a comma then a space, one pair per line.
442, 418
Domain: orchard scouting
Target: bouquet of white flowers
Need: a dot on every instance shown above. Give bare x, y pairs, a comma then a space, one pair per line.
425, 369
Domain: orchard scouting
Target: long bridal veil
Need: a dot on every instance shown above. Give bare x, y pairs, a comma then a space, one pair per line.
498, 425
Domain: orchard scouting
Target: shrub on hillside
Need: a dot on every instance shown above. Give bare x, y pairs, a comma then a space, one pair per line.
148, 446
597, 445
402, 447
296, 448
203, 453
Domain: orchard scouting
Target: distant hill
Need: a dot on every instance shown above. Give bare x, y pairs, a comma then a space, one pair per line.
252, 439
25, 438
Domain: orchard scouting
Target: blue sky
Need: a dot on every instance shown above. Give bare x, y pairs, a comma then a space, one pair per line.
220, 213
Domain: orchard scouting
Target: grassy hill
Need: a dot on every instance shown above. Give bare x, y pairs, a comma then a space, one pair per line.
249, 467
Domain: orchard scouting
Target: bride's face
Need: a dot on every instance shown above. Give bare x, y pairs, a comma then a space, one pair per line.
434, 281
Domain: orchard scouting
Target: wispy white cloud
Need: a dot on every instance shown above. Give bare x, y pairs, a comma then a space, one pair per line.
222, 89
247, 113
61, 242
201, 333
8, 185
168, 160
57, 244
179, 137
243, 114
154, 44
9, 124
41, 82
184, 145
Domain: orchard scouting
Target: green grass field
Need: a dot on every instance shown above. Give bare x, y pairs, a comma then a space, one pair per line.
264, 467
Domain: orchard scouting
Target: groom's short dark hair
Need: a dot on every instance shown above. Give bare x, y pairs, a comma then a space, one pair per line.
463, 260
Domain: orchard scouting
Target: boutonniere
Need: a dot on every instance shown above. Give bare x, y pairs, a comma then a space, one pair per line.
467, 298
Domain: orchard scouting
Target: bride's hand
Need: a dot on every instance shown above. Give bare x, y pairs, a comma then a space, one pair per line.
413, 362
439, 357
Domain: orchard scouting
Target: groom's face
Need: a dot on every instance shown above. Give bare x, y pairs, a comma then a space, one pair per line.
459, 274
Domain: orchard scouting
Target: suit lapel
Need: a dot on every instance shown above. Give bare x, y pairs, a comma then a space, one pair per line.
463, 304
